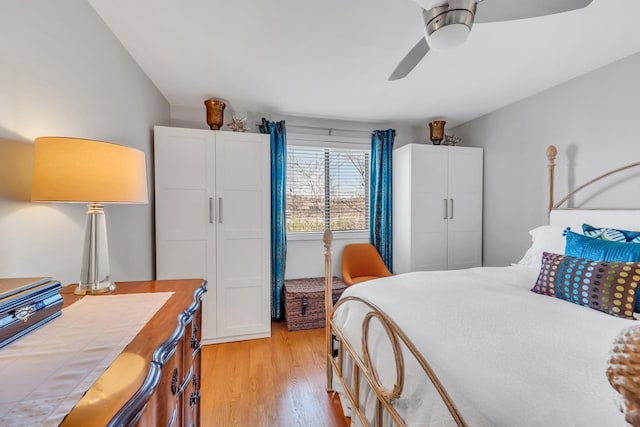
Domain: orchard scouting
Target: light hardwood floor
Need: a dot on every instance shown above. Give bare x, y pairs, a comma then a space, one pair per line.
277, 381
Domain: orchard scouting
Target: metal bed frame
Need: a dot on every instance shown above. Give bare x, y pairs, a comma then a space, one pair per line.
623, 371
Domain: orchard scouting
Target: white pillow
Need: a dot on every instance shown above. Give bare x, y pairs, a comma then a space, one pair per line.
546, 238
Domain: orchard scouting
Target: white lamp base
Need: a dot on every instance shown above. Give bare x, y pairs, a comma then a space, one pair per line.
94, 274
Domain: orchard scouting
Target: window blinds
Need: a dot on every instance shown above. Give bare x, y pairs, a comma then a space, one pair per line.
327, 188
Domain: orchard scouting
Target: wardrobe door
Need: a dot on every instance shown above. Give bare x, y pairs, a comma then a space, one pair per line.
243, 232
185, 227
429, 210
464, 245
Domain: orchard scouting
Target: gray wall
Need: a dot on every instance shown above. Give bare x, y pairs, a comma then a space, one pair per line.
594, 121
64, 73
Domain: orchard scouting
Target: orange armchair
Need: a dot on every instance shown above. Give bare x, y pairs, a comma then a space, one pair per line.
360, 262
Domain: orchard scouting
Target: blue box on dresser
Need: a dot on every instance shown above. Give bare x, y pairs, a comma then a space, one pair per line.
26, 304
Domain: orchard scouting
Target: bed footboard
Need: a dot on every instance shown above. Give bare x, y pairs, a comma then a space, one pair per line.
361, 366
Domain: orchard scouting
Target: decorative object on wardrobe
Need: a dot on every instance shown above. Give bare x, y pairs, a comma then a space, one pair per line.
238, 124
451, 140
437, 208
213, 221
94, 172
215, 113
436, 131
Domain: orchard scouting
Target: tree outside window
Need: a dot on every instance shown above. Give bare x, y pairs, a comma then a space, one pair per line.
327, 188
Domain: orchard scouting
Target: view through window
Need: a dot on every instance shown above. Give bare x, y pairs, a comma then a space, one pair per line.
327, 188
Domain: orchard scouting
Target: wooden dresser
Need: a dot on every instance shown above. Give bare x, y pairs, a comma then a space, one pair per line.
155, 381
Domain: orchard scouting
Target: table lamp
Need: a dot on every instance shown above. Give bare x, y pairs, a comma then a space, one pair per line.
74, 170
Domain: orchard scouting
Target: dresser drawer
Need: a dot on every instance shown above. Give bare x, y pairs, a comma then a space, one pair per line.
191, 396
167, 393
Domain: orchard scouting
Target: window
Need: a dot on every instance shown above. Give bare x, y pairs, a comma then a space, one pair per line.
327, 188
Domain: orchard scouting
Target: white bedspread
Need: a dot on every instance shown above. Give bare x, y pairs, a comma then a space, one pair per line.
507, 356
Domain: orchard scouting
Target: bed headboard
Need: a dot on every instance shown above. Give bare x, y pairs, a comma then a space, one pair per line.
628, 219
552, 152
616, 218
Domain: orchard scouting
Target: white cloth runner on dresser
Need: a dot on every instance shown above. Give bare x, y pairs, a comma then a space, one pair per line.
45, 373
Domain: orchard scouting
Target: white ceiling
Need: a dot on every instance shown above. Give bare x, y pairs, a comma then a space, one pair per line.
331, 58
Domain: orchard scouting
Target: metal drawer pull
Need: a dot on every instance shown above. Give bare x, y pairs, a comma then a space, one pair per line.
445, 209
220, 210
210, 210
174, 381
451, 209
23, 313
194, 398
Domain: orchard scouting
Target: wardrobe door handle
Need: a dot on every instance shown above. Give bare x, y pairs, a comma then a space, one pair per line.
220, 210
445, 209
451, 209
210, 210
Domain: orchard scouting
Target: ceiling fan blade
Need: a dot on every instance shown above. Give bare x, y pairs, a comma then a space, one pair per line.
509, 10
410, 61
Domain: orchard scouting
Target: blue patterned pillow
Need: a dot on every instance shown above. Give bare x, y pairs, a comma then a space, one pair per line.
581, 246
589, 248
612, 234
610, 287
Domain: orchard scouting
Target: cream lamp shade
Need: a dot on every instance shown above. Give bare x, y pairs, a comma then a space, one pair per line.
93, 172
82, 170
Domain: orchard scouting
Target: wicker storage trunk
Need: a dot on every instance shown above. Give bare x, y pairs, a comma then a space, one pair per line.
304, 302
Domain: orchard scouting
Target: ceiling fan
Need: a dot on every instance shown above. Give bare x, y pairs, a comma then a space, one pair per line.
448, 23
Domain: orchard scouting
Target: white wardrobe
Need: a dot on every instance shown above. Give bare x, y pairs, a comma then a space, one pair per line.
437, 207
212, 210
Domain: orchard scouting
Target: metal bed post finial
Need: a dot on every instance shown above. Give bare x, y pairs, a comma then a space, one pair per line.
327, 238
552, 152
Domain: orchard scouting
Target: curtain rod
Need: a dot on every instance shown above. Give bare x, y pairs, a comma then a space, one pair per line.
369, 132
330, 129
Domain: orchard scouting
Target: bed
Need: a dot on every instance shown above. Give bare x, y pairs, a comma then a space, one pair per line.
476, 347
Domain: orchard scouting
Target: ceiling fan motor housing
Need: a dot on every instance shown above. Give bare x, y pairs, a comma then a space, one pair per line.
449, 25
